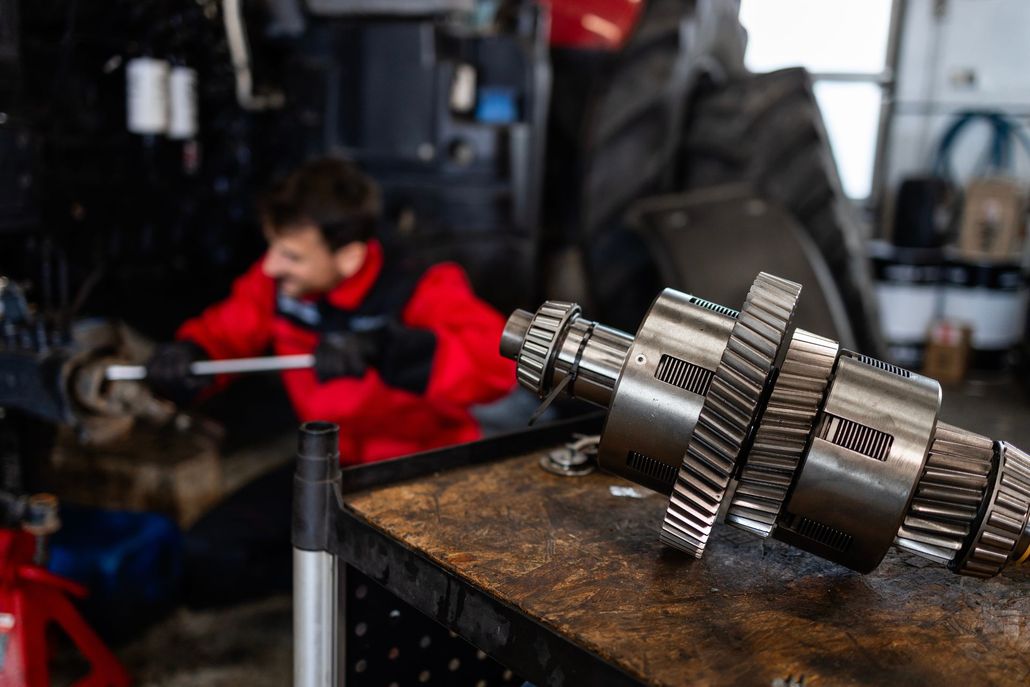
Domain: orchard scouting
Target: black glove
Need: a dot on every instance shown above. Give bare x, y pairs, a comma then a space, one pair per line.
406, 357
402, 355
168, 371
345, 354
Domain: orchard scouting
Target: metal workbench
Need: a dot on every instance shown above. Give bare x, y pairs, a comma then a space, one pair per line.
563, 580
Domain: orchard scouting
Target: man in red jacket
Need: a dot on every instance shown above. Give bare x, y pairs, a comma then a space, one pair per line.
401, 353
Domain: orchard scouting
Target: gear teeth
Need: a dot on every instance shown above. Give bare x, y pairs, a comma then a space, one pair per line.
1004, 519
782, 436
729, 412
948, 495
541, 342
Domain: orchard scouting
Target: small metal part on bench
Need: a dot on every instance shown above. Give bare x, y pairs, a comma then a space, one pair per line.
832, 451
575, 459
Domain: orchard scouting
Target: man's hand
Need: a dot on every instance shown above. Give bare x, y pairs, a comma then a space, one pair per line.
403, 356
345, 354
168, 371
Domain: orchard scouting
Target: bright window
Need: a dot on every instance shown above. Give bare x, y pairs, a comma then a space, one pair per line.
844, 44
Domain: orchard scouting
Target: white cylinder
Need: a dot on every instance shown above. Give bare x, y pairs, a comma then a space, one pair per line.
463, 89
147, 95
182, 103
997, 317
908, 291
992, 298
907, 310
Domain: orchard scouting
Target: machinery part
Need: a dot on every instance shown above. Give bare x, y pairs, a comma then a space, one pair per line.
540, 342
575, 459
950, 491
1003, 534
271, 363
236, 37
61, 377
766, 130
590, 357
106, 410
851, 496
832, 451
36, 383
782, 438
727, 418
679, 344
91, 389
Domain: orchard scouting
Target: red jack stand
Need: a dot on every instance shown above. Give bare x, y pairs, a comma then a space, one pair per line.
30, 599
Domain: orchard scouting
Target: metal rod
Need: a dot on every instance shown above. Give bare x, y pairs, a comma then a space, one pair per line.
882, 78
316, 609
218, 367
317, 603
885, 121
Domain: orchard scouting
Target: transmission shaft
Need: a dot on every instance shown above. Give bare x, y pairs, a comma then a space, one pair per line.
741, 416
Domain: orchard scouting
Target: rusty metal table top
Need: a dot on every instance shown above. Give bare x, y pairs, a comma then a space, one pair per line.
585, 564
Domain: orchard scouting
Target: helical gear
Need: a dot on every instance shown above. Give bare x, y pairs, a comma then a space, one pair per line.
782, 436
729, 412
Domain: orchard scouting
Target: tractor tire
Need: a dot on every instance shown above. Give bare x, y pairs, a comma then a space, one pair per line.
767, 130
633, 131
630, 121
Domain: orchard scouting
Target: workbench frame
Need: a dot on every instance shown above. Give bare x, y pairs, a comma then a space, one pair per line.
328, 536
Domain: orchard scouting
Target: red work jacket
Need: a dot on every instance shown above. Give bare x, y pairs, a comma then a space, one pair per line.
376, 420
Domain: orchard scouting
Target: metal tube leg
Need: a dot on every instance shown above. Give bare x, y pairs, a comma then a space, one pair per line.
316, 610
316, 570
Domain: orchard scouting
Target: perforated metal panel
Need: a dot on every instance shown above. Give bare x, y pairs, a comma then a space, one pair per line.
390, 644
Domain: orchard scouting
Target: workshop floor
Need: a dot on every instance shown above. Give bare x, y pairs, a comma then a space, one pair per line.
250, 644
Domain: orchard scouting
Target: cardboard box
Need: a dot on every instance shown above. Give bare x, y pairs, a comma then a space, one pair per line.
993, 220
948, 348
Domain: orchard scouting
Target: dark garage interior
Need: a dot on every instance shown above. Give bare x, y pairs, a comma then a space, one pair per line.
514, 342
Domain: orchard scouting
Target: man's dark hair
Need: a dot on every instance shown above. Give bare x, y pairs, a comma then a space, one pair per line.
330, 193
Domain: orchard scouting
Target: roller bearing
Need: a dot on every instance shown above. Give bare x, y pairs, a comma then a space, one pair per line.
541, 343
948, 495
1004, 518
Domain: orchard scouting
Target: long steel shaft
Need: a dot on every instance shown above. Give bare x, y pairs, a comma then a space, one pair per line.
217, 367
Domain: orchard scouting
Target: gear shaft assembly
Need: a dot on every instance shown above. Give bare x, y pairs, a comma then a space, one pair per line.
738, 415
